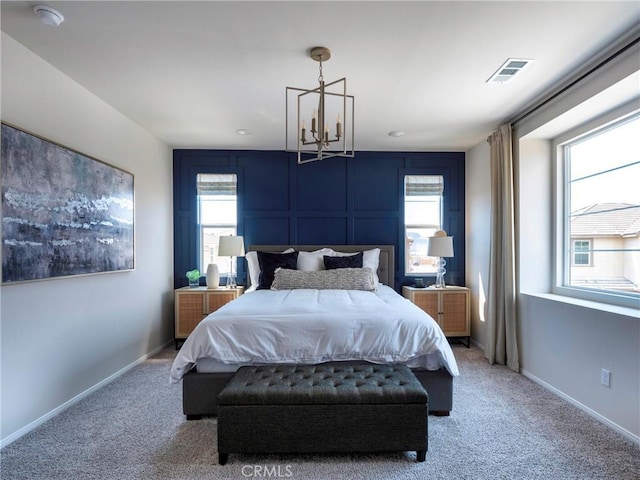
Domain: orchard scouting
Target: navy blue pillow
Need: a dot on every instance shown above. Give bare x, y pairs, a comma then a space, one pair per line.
269, 262
350, 261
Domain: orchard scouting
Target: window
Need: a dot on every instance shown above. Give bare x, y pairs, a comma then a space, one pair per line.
581, 252
422, 217
601, 215
217, 216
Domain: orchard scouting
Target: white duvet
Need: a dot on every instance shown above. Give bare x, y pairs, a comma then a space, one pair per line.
316, 326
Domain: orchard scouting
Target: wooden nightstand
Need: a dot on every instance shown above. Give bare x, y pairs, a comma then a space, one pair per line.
448, 306
193, 304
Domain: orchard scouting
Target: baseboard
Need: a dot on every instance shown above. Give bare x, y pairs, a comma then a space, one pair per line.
56, 411
592, 413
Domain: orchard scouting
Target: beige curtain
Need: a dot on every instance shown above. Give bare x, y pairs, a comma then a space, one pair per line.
501, 346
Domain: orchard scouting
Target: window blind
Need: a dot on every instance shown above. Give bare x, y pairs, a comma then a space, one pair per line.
423, 185
216, 184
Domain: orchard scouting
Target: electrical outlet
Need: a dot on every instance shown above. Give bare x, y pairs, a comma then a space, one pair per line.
605, 378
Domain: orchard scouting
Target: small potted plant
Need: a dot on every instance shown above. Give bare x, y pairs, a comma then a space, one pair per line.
194, 278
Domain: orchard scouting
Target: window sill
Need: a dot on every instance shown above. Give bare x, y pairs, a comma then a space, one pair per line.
591, 305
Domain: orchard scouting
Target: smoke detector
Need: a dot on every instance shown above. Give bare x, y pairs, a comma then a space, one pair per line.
48, 15
509, 69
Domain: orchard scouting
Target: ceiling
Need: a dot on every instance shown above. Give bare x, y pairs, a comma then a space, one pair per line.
193, 73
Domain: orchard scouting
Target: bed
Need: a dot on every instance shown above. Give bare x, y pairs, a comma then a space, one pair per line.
353, 325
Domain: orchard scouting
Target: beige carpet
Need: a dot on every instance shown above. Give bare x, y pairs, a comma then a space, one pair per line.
503, 427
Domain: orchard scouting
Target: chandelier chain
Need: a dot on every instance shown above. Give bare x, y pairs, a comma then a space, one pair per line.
320, 78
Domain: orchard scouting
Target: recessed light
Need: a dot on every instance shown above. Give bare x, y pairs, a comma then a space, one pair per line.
396, 133
48, 15
243, 131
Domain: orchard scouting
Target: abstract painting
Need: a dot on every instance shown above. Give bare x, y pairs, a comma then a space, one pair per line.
63, 213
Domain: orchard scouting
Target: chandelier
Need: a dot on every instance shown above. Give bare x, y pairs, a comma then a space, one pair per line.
323, 139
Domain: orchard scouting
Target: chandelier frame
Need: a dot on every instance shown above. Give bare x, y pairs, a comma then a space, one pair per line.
320, 145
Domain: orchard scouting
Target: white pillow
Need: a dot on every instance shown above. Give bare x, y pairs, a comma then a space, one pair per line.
312, 261
370, 259
254, 266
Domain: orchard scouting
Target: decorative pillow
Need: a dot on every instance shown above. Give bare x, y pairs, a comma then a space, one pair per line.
254, 266
270, 261
370, 259
312, 261
350, 261
336, 279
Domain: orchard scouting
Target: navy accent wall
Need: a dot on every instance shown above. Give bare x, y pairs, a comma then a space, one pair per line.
336, 201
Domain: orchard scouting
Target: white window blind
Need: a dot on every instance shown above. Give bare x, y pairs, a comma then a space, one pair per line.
216, 184
422, 185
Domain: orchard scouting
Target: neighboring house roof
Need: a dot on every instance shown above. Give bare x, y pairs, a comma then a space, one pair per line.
615, 283
606, 219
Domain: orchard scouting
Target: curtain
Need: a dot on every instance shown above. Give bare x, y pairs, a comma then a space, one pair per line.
501, 345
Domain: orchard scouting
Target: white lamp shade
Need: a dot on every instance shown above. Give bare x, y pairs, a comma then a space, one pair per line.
440, 247
231, 246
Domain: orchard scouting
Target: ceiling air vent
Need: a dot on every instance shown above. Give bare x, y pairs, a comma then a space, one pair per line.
509, 69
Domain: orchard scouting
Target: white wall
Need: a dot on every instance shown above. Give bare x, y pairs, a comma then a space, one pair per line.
632, 260
563, 344
477, 236
62, 337
603, 263
534, 216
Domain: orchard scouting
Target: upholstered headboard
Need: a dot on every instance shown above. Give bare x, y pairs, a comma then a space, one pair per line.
386, 267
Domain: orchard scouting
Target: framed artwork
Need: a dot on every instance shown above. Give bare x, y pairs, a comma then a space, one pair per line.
63, 213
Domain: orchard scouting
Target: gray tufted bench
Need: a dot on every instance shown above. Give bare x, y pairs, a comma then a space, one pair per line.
332, 407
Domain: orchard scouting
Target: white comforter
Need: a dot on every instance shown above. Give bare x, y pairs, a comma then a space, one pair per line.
315, 326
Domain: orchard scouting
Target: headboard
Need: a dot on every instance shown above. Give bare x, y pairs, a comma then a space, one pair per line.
386, 267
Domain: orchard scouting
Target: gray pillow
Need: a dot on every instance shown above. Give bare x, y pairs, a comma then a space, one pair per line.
336, 279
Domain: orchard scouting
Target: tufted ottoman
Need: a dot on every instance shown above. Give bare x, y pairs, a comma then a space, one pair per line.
332, 407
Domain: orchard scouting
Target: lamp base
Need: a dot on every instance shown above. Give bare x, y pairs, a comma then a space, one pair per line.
231, 278
440, 273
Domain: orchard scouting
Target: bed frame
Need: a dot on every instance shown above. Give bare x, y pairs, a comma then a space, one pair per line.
200, 390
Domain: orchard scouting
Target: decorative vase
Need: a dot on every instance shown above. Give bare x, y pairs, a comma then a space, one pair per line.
213, 276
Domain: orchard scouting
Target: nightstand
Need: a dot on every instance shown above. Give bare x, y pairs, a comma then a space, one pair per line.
448, 306
193, 304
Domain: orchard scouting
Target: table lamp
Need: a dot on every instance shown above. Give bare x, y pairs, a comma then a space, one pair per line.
440, 246
231, 246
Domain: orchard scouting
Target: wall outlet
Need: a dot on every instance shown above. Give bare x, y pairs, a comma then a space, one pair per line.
605, 378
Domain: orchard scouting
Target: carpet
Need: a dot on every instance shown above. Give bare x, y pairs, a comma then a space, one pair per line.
503, 426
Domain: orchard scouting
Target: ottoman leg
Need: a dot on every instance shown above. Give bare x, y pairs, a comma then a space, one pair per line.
421, 455
223, 457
